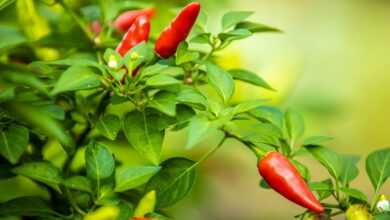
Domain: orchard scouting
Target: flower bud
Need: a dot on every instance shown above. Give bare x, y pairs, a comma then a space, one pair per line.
383, 204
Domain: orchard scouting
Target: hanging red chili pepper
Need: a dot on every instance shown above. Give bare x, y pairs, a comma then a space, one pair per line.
136, 34
177, 31
124, 21
283, 177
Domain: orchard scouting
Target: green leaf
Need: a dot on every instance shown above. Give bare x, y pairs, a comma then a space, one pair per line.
141, 53
43, 172
247, 106
330, 159
221, 81
250, 77
378, 167
143, 135
198, 129
161, 80
202, 38
316, 140
191, 97
324, 188
26, 206
295, 126
382, 216
26, 79
349, 169
269, 114
76, 78
99, 161
132, 177
10, 36
109, 126
302, 169
233, 17
183, 55
173, 182
7, 94
255, 27
164, 102
233, 35
42, 121
355, 193
126, 210
13, 142
80, 183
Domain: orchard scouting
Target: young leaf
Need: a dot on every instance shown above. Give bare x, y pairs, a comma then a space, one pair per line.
76, 78
173, 182
80, 183
331, 160
143, 135
294, 124
269, 114
378, 167
191, 97
132, 177
197, 129
13, 142
99, 161
250, 77
164, 102
43, 172
109, 126
233, 17
221, 81
26, 206
255, 27
355, 193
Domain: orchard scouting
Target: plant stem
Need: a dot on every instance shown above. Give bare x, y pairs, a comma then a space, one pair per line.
73, 203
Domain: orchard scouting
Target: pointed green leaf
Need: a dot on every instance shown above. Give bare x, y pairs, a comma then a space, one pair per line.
143, 134
294, 124
132, 177
255, 27
13, 143
43, 172
198, 129
99, 161
191, 97
233, 17
109, 126
173, 182
378, 167
355, 193
162, 80
221, 81
164, 102
250, 77
330, 159
80, 183
76, 78
26, 206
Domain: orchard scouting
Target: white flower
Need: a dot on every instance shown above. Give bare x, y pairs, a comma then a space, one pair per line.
383, 204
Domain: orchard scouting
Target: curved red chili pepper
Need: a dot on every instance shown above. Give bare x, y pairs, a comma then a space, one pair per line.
136, 34
124, 21
177, 31
283, 177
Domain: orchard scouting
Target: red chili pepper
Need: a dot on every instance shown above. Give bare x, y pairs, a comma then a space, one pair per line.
177, 31
136, 34
283, 177
124, 21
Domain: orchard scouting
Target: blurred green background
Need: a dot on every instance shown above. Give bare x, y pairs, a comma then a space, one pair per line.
331, 63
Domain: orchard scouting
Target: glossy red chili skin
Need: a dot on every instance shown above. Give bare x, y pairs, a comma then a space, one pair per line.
136, 34
124, 21
177, 31
282, 176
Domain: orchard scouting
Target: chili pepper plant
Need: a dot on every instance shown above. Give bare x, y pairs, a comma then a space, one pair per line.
79, 78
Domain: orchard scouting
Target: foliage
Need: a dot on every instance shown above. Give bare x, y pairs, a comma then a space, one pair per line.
60, 83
